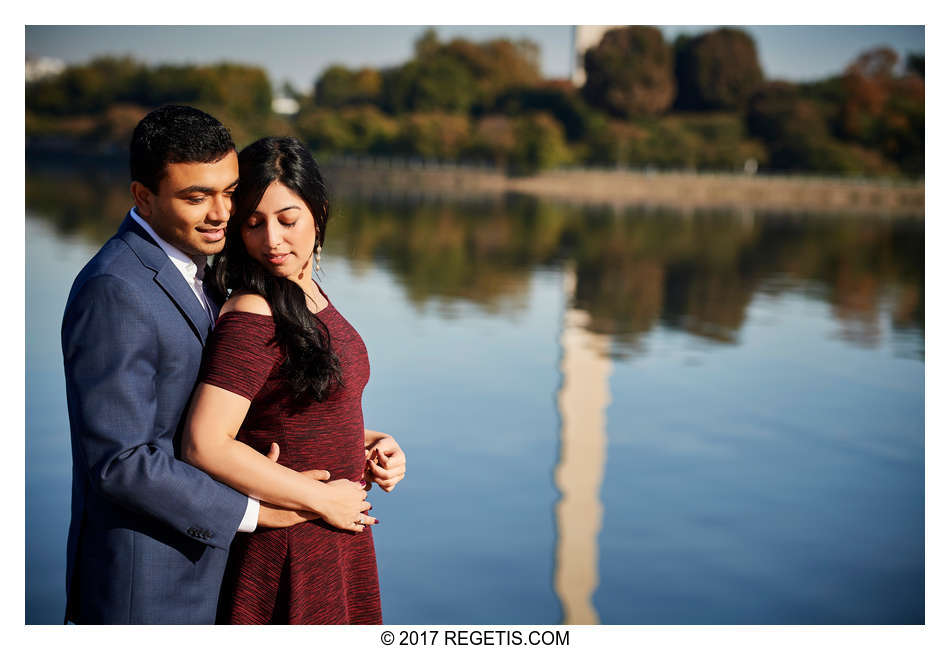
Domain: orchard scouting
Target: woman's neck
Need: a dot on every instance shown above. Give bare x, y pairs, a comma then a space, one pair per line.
315, 300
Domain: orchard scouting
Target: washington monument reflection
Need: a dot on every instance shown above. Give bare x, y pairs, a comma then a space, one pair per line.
582, 403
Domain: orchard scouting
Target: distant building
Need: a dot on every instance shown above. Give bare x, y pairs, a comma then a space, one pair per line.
43, 67
585, 37
285, 106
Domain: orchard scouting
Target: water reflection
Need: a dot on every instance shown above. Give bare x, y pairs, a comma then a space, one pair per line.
582, 402
742, 392
636, 268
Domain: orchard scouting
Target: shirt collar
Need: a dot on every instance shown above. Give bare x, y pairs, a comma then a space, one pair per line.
187, 265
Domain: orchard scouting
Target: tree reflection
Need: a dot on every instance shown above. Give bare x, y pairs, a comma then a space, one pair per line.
636, 267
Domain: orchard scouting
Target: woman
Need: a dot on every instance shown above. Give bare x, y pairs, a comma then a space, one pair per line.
284, 366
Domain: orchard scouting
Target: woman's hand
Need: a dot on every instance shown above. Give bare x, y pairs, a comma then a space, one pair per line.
385, 462
343, 504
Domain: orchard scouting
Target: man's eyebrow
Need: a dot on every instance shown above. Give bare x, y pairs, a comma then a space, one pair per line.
193, 189
202, 189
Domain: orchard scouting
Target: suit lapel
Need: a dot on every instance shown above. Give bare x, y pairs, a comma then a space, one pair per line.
170, 279
167, 276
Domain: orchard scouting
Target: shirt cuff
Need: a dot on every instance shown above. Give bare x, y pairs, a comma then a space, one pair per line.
249, 523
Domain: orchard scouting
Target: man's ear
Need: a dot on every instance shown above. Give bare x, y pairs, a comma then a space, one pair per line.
143, 198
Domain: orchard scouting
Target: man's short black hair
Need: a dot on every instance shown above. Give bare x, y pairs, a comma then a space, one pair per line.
173, 134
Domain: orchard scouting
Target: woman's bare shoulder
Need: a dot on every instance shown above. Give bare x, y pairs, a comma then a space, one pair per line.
250, 302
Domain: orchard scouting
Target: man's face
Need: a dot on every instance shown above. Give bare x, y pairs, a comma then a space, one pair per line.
193, 204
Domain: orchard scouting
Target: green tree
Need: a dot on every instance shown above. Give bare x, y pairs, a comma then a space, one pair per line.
435, 84
243, 91
540, 143
561, 100
324, 130
630, 72
458, 76
432, 135
718, 70
339, 86
167, 84
87, 88
610, 142
370, 129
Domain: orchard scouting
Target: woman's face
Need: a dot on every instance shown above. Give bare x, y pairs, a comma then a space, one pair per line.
281, 234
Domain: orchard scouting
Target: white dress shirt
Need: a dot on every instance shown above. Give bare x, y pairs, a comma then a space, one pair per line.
188, 267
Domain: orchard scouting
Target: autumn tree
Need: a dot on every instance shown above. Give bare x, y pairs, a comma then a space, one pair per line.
877, 63
717, 70
884, 111
630, 72
796, 132
496, 65
494, 138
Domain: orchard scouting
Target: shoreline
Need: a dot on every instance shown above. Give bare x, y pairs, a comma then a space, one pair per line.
681, 190
684, 191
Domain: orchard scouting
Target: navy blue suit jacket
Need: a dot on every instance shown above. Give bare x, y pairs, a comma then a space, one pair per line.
149, 534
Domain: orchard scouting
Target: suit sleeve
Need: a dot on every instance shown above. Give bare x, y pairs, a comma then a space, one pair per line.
111, 359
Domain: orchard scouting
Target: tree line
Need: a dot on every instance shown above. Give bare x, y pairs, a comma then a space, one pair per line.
701, 102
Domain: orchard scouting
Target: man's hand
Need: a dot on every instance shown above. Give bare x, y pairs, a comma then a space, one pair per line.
271, 516
385, 463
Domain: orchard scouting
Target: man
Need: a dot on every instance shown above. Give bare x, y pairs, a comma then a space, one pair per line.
149, 534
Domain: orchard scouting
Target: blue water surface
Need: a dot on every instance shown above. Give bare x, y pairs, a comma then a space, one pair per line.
770, 474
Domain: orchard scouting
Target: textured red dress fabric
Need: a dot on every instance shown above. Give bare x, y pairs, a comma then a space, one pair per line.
311, 573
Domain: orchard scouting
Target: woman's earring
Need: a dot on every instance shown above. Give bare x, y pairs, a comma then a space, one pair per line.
316, 258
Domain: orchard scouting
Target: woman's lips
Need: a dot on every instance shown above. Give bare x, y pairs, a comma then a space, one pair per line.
276, 259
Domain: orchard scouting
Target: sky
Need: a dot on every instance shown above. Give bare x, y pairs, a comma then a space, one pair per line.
300, 54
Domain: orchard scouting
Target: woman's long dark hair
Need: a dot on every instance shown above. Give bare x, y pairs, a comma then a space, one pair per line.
311, 368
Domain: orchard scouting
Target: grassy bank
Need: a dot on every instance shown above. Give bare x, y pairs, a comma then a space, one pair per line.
681, 190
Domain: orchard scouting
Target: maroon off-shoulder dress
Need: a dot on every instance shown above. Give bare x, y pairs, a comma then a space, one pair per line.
311, 573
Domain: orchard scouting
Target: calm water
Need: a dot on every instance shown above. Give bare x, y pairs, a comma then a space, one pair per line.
616, 417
